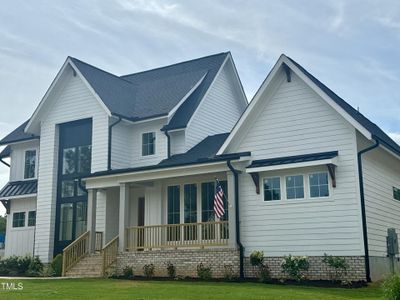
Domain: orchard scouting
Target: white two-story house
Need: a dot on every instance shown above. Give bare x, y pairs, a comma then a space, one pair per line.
122, 170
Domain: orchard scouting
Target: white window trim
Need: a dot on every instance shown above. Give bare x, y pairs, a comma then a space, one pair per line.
141, 144
307, 191
36, 164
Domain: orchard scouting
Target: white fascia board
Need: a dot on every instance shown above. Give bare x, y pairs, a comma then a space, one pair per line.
239, 82
293, 165
142, 121
188, 170
328, 99
53, 84
252, 103
19, 197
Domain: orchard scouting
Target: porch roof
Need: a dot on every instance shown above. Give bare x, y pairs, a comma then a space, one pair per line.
18, 188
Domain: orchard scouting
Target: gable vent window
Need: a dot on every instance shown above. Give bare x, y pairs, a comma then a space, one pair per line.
30, 164
148, 143
396, 193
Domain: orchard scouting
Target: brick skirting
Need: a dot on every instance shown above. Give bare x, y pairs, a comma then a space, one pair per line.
186, 261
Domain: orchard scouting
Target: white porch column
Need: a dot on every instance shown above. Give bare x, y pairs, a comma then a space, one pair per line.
91, 221
231, 209
123, 214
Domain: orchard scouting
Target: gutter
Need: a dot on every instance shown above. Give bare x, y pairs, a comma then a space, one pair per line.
362, 198
168, 143
110, 127
3, 162
241, 248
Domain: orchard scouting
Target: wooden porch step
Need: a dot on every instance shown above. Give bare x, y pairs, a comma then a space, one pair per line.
89, 266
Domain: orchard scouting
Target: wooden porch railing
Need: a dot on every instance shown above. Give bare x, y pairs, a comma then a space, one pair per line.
109, 254
99, 241
75, 252
177, 235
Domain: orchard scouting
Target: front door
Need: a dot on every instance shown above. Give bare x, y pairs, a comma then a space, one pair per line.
75, 151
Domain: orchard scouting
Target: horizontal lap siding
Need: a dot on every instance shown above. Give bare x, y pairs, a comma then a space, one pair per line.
73, 102
381, 174
297, 121
219, 110
121, 149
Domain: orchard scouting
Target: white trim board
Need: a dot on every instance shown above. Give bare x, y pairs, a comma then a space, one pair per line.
293, 165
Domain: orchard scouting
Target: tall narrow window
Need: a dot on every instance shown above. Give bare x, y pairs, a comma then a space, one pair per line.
319, 185
173, 233
32, 218
19, 219
148, 143
190, 211
396, 193
295, 187
207, 201
66, 221
81, 217
30, 164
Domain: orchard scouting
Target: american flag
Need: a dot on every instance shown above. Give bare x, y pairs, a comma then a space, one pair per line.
218, 202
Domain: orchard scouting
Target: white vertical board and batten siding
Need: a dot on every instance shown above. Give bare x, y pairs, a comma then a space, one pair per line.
294, 120
219, 111
19, 240
381, 172
74, 101
17, 166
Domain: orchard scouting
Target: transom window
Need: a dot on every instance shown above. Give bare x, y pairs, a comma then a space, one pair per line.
30, 164
396, 193
148, 143
295, 187
319, 185
18, 219
272, 188
32, 218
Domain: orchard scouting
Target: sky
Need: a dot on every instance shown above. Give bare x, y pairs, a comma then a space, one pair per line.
351, 46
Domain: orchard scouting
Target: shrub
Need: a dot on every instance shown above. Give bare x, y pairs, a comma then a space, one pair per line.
20, 266
391, 287
203, 272
338, 264
56, 265
295, 266
229, 274
171, 270
148, 270
127, 272
264, 273
256, 258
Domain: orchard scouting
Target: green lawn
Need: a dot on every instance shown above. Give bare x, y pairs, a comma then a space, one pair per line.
94, 289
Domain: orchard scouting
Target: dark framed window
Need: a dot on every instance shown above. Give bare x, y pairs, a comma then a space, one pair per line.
295, 187
319, 186
30, 164
66, 221
148, 143
18, 219
190, 211
32, 218
174, 213
272, 188
81, 218
396, 193
207, 201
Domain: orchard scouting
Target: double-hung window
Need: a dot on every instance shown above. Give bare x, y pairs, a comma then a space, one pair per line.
148, 143
30, 164
319, 186
295, 187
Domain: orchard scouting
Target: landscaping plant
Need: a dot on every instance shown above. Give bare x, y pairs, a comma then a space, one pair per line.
127, 272
204, 272
148, 270
171, 270
295, 266
391, 287
56, 265
338, 264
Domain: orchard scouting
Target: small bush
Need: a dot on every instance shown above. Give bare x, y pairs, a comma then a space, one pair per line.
295, 266
264, 274
338, 264
256, 258
21, 266
171, 270
56, 265
148, 270
203, 272
47, 271
127, 272
391, 287
229, 274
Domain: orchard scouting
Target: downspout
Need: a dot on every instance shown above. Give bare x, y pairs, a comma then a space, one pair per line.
363, 214
241, 254
109, 142
168, 143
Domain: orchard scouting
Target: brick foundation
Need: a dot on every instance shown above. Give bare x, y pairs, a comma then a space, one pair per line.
186, 261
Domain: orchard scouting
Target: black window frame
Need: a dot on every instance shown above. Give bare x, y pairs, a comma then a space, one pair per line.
272, 189
319, 185
148, 143
28, 165
32, 218
396, 193
21, 221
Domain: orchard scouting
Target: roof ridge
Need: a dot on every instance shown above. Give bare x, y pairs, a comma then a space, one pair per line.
101, 70
175, 64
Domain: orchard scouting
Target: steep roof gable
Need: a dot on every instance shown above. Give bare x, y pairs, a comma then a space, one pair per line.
359, 121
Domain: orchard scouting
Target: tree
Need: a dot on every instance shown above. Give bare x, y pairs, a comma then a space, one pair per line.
3, 222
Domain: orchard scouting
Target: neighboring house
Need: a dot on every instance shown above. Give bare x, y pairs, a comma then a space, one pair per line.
128, 164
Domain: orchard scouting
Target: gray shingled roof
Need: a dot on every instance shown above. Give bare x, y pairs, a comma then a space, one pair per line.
18, 135
360, 118
19, 188
155, 92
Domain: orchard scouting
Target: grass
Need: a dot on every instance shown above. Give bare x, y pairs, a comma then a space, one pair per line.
129, 289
